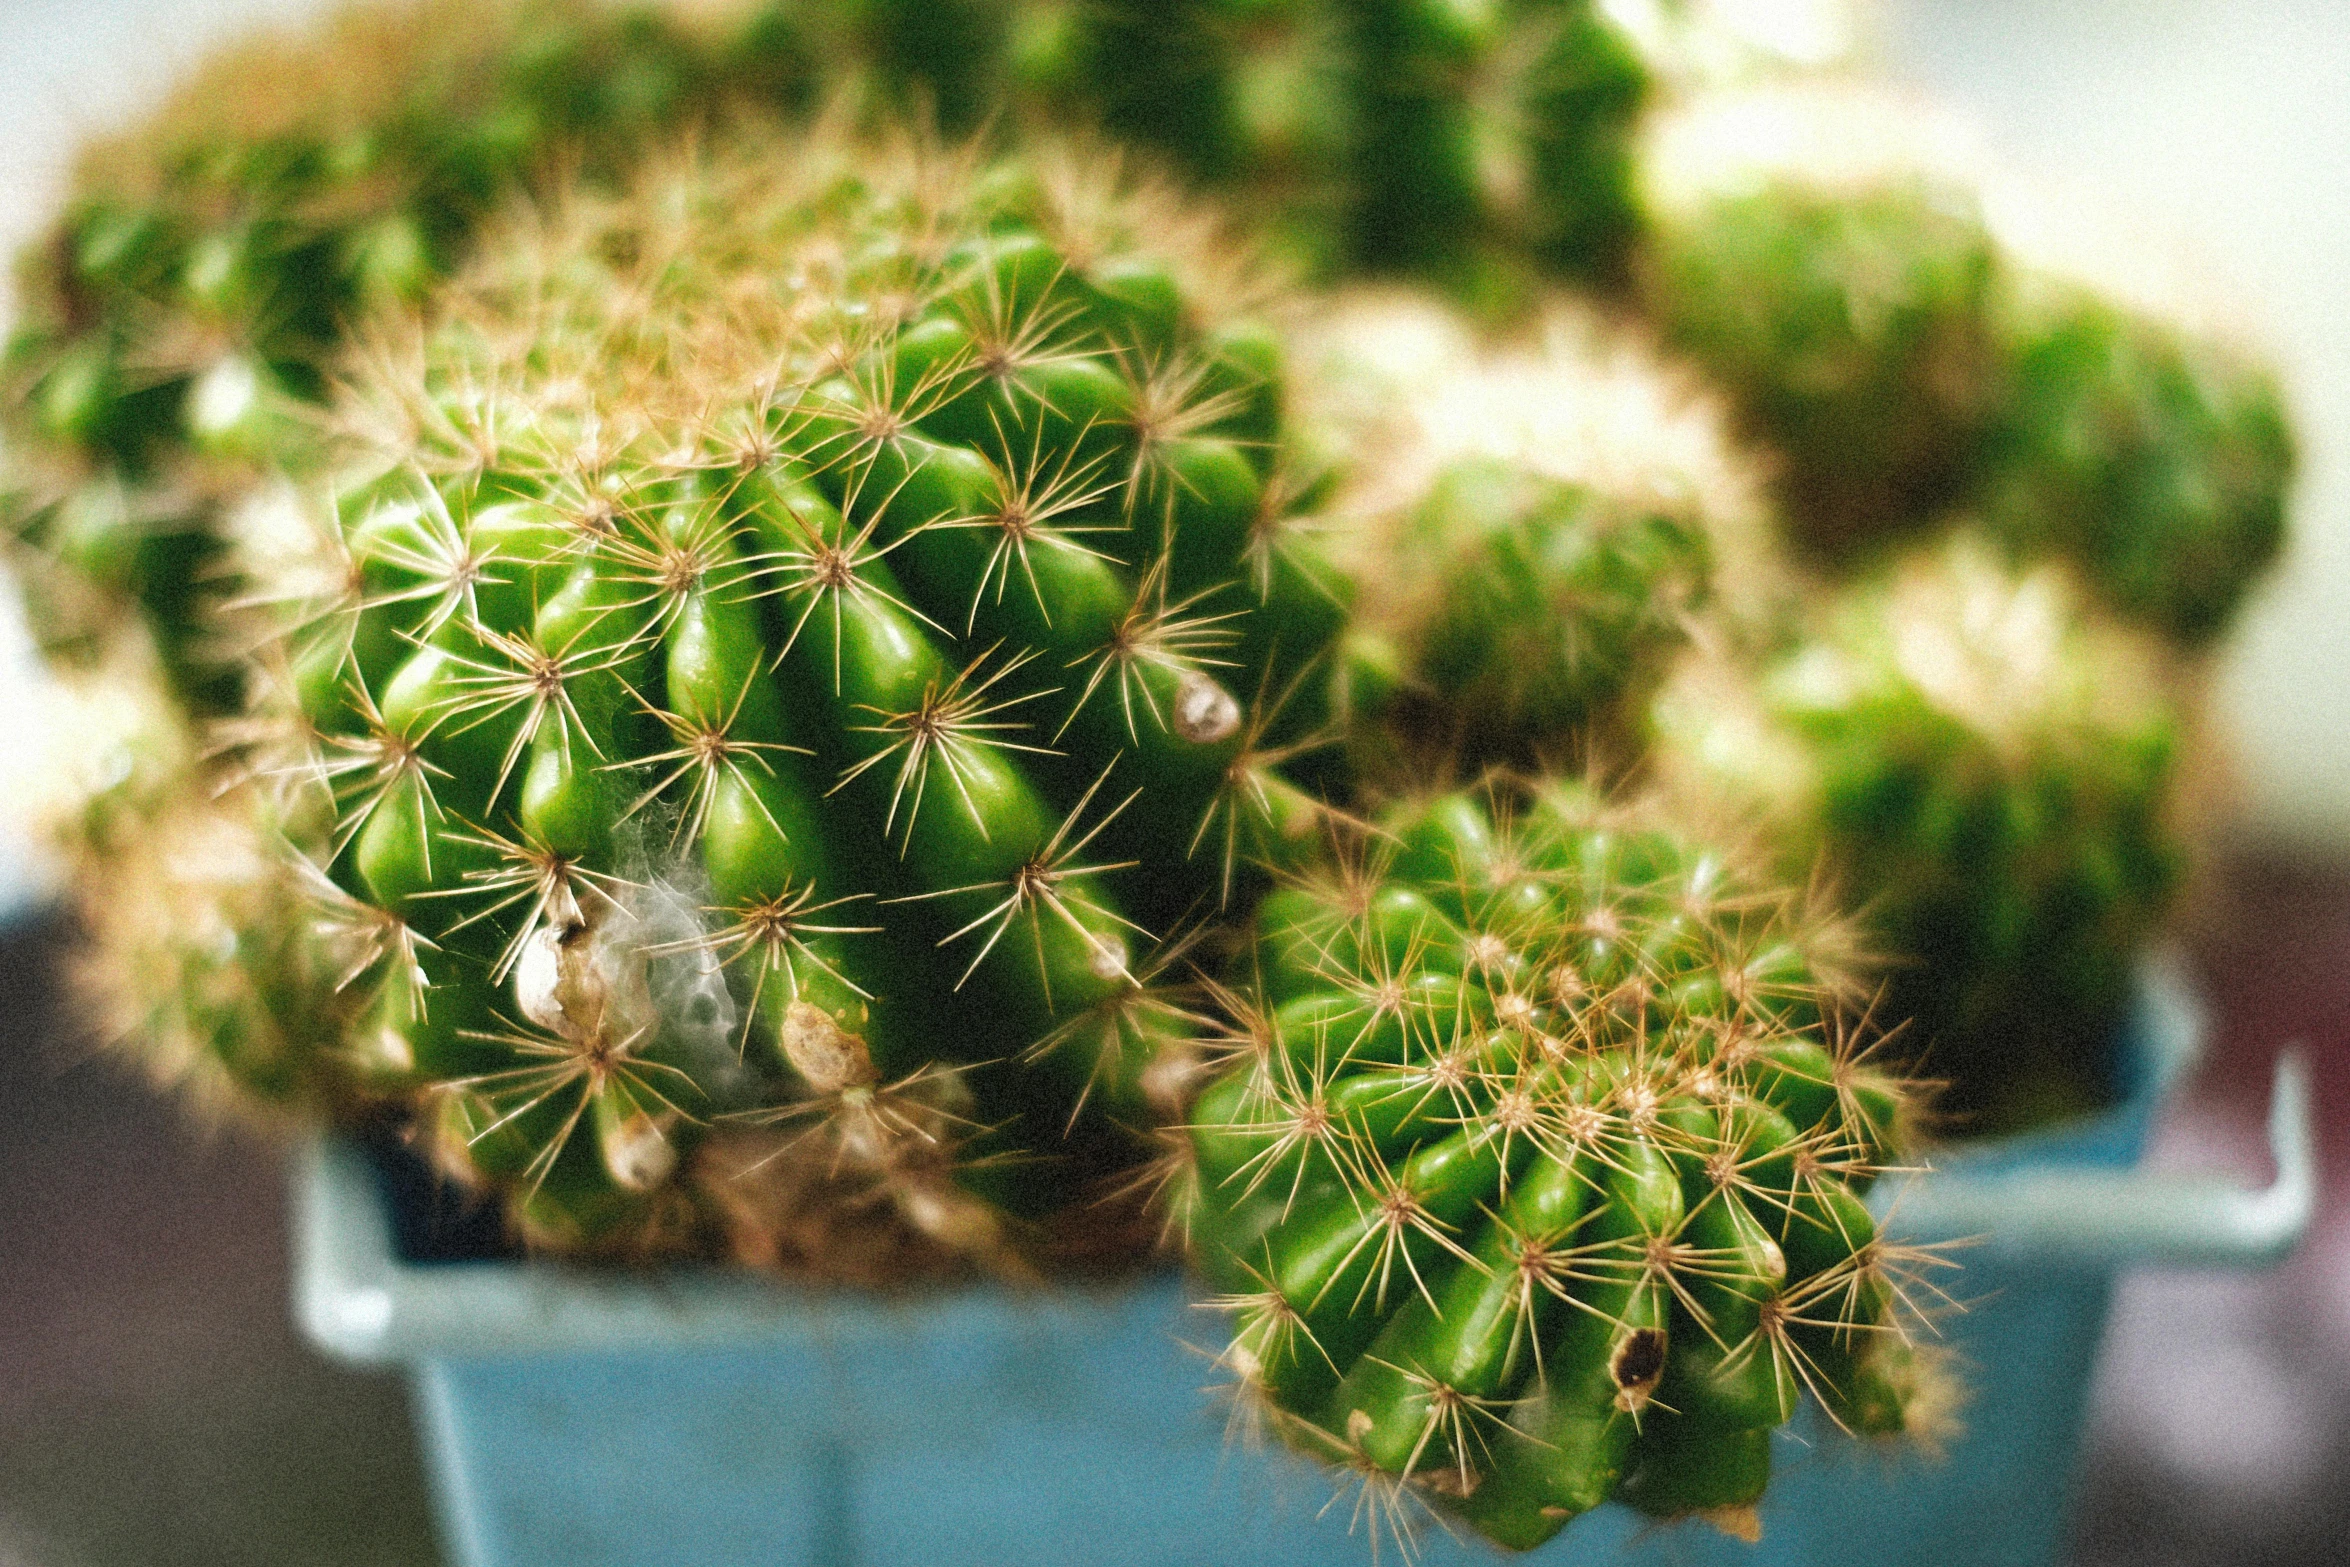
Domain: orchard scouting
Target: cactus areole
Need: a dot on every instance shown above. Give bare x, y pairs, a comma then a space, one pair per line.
795, 641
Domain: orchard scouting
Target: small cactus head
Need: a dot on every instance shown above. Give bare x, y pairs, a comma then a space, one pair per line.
1533, 1174
1823, 254
1989, 770
1537, 524
2155, 457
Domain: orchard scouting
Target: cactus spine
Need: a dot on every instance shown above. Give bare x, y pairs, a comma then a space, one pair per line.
1534, 1171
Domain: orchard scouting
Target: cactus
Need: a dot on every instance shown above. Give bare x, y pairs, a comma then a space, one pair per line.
775, 642
1837, 278
1989, 769
179, 324
1549, 605
1536, 527
1464, 143
2154, 457
1912, 362
1533, 1172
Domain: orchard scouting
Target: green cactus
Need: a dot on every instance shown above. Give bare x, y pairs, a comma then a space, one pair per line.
1846, 311
785, 633
2155, 459
1989, 770
1467, 143
1537, 524
1546, 613
1910, 366
1533, 1172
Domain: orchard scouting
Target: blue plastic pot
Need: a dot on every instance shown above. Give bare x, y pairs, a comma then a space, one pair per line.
701, 1418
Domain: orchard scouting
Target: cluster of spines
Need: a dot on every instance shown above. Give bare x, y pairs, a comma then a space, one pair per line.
838, 569
1533, 1173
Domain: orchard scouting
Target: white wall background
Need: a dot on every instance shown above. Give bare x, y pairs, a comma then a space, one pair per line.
2227, 121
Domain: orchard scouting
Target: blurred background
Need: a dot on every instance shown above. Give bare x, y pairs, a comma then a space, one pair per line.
155, 1406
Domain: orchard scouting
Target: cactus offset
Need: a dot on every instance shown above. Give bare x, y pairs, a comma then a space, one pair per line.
1837, 277
2154, 457
1536, 528
1832, 259
1534, 1172
1987, 769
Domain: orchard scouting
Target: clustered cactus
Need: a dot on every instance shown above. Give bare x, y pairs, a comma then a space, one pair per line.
1534, 1170
821, 695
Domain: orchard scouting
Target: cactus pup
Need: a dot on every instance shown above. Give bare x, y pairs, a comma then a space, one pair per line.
1988, 768
1537, 526
1533, 1172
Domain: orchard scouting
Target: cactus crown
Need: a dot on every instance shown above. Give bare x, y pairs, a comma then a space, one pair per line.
788, 634
1992, 766
1534, 1171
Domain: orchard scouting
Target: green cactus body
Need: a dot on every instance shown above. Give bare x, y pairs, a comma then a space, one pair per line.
800, 629
1827, 257
1990, 772
2156, 460
1469, 143
1851, 327
1550, 607
1533, 1178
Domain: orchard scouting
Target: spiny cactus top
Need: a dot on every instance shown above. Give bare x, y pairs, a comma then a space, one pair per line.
1534, 1172
836, 587
1535, 526
1848, 274
1989, 770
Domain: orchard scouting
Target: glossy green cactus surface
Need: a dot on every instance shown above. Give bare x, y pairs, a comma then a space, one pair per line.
1534, 1174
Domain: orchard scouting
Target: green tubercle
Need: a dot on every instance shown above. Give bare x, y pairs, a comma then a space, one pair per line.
1531, 1173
